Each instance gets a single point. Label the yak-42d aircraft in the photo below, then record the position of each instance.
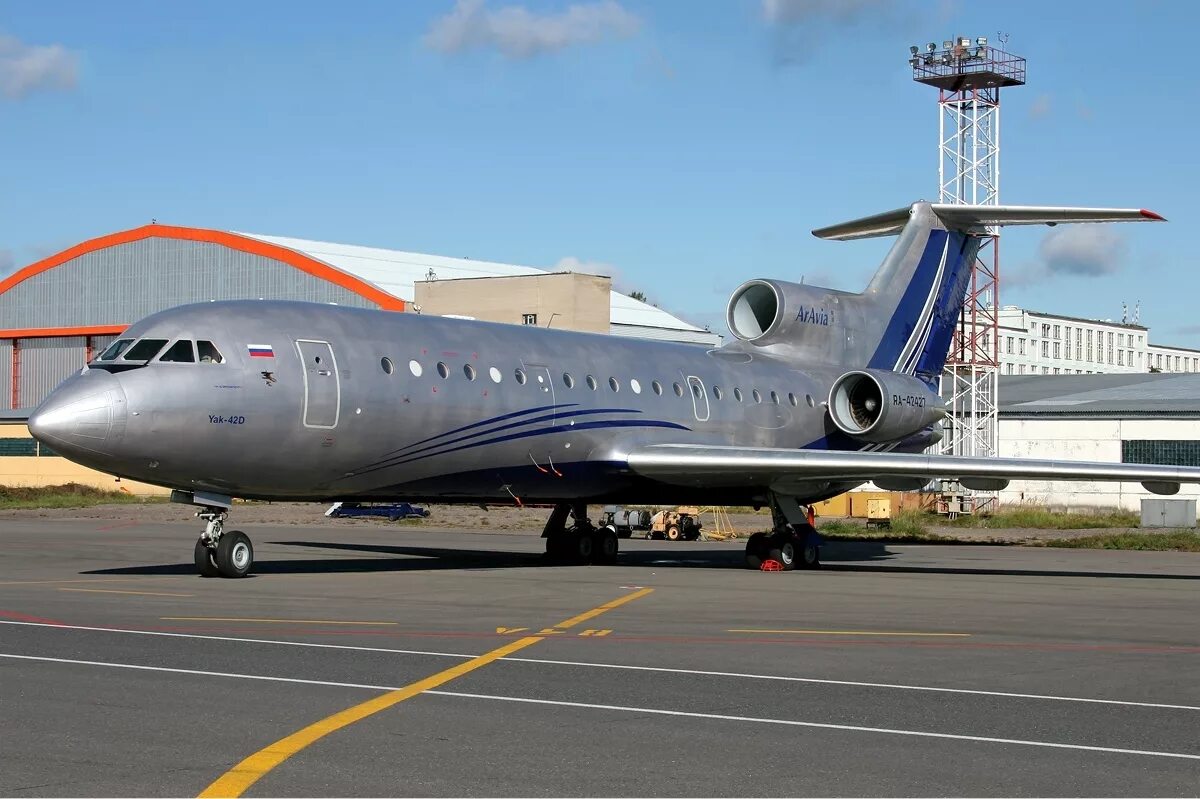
(821, 391)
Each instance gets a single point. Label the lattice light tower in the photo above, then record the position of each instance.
(968, 76)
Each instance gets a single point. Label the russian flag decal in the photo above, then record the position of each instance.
(260, 350)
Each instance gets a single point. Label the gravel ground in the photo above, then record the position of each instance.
(458, 517)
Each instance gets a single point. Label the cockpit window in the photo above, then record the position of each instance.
(208, 352)
(115, 349)
(145, 349)
(180, 352)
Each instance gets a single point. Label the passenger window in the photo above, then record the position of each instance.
(775, 397)
(469, 371)
(657, 386)
(115, 349)
(678, 389)
(145, 349)
(792, 399)
(180, 352)
(568, 381)
(443, 370)
(808, 398)
(696, 391)
(613, 384)
(386, 365)
(737, 394)
(756, 395)
(208, 353)
(520, 376)
(636, 386)
(717, 392)
(495, 374)
(415, 368)
(591, 381)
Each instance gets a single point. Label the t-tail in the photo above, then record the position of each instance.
(904, 321)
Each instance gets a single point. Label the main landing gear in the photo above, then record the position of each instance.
(793, 542)
(582, 541)
(220, 552)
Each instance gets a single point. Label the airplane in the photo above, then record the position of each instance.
(822, 390)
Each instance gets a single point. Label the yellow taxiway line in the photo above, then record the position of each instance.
(115, 591)
(238, 780)
(855, 632)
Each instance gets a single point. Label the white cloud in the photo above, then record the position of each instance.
(25, 68)
(799, 27)
(1085, 250)
(794, 12)
(520, 33)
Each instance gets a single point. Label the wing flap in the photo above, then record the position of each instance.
(684, 464)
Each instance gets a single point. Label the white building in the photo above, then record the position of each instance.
(1115, 418)
(1032, 342)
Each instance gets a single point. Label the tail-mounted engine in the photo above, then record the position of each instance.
(879, 406)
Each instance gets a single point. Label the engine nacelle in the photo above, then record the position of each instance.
(878, 406)
(767, 312)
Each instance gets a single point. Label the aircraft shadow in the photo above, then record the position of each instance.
(840, 556)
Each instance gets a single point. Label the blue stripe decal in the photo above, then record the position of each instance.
(500, 418)
(949, 306)
(907, 315)
(396, 454)
(545, 431)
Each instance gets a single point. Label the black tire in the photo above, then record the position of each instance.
(605, 546)
(673, 532)
(808, 555)
(784, 549)
(206, 565)
(691, 533)
(235, 554)
(556, 547)
(756, 550)
(582, 547)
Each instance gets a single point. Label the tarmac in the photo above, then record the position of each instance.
(362, 661)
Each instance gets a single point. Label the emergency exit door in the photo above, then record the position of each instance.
(322, 391)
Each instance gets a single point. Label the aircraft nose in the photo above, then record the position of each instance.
(84, 416)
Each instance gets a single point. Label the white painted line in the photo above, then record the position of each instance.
(197, 672)
(857, 684)
(618, 708)
(582, 664)
(822, 726)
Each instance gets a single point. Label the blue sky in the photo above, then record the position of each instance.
(682, 146)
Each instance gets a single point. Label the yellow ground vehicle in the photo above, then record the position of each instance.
(673, 525)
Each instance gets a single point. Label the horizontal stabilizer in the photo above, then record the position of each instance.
(977, 218)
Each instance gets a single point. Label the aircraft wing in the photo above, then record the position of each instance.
(699, 465)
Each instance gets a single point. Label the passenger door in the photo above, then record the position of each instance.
(322, 391)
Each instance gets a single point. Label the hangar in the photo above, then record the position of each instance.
(54, 314)
(1118, 418)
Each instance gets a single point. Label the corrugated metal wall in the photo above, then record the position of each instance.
(46, 362)
(122, 284)
(5, 375)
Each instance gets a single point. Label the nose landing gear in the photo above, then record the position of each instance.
(221, 553)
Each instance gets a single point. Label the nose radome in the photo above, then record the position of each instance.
(85, 415)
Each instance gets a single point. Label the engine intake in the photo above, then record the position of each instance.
(879, 406)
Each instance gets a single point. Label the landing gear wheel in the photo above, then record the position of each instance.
(235, 554)
(756, 550)
(673, 532)
(605, 546)
(205, 563)
(783, 549)
(582, 546)
(808, 555)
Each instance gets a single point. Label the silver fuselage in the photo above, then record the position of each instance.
(324, 416)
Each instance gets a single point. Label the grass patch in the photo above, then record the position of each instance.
(907, 526)
(68, 495)
(1173, 541)
(1040, 518)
